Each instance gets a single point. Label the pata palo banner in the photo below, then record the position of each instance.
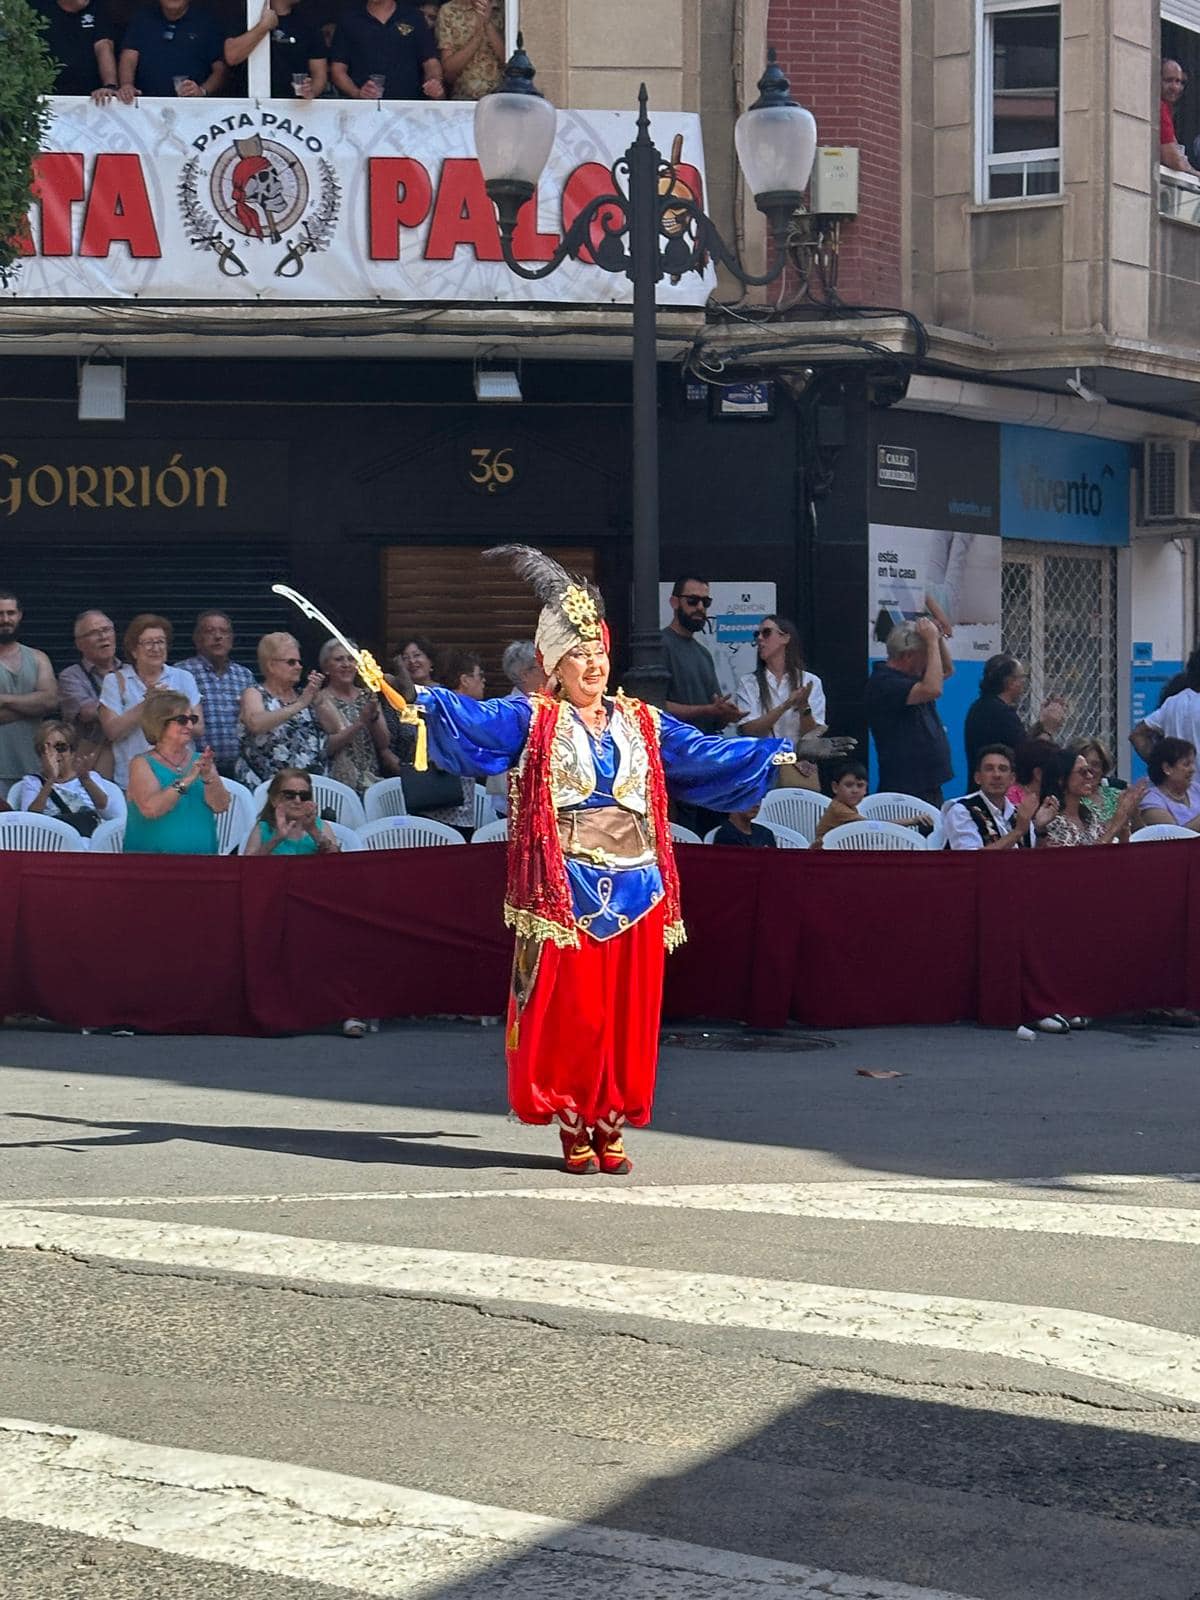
(317, 200)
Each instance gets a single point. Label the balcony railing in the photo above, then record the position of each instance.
(1179, 196)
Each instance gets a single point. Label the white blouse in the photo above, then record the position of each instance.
(749, 702)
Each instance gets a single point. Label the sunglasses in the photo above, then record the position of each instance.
(704, 600)
(289, 661)
(295, 794)
(60, 747)
(764, 633)
(185, 719)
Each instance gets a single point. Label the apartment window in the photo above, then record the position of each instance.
(1020, 62)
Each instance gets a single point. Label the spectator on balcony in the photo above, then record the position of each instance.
(1174, 794)
(27, 693)
(299, 55)
(523, 669)
(147, 641)
(279, 727)
(901, 701)
(384, 50)
(79, 40)
(79, 687)
(470, 36)
(1171, 152)
(222, 682)
(356, 734)
(170, 42)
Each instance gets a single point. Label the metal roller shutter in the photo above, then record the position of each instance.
(449, 595)
(56, 581)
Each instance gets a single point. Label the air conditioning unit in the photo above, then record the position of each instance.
(1170, 481)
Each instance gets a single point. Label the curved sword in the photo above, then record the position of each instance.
(369, 669)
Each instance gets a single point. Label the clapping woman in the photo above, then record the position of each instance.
(288, 824)
(65, 788)
(175, 795)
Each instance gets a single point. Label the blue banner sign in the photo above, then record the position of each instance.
(1066, 488)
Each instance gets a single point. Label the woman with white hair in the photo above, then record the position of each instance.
(521, 667)
(357, 734)
(279, 726)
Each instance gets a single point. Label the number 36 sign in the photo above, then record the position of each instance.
(492, 469)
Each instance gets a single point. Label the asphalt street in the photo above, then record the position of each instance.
(300, 1318)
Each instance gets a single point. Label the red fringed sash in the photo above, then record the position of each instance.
(537, 903)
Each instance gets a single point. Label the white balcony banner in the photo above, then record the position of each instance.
(326, 200)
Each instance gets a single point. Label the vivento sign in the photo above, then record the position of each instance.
(1065, 488)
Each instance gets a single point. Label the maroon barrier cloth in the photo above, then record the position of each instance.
(244, 946)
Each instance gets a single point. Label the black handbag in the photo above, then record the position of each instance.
(85, 821)
(431, 790)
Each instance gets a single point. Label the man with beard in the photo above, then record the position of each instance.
(692, 693)
(27, 694)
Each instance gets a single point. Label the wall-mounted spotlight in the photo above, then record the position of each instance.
(101, 389)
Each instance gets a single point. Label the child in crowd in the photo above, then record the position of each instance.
(848, 788)
(741, 828)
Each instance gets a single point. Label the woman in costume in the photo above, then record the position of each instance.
(593, 893)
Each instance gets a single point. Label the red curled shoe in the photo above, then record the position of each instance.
(578, 1155)
(610, 1150)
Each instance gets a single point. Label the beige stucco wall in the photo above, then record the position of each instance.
(1075, 264)
(692, 55)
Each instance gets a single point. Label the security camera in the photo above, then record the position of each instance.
(1078, 387)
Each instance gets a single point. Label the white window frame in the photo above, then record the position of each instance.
(986, 161)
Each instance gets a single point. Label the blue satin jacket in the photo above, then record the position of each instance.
(480, 738)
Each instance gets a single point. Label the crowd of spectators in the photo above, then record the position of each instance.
(341, 49)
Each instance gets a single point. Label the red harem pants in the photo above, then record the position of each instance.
(586, 1040)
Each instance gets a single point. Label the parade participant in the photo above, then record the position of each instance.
(593, 893)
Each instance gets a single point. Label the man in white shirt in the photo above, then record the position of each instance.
(987, 819)
(1177, 718)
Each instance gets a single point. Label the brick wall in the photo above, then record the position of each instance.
(844, 61)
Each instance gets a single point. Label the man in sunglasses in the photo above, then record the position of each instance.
(692, 691)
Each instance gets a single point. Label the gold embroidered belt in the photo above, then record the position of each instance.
(605, 836)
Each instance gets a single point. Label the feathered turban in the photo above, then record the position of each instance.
(572, 608)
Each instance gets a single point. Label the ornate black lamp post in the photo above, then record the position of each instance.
(648, 227)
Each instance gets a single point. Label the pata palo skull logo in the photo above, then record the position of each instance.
(260, 191)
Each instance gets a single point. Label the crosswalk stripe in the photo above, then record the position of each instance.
(831, 1201)
(367, 1537)
(1144, 1358)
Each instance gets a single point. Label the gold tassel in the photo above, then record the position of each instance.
(421, 758)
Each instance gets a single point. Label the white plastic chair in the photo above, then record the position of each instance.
(25, 830)
(798, 809)
(785, 838)
(485, 811)
(235, 823)
(891, 806)
(407, 833)
(491, 832)
(116, 799)
(872, 836)
(1162, 830)
(682, 835)
(385, 799)
(109, 837)
(330, 795)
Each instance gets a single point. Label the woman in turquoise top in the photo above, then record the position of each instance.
(288, 824)
(174, 794)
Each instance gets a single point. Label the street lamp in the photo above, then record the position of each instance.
(649, 226)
